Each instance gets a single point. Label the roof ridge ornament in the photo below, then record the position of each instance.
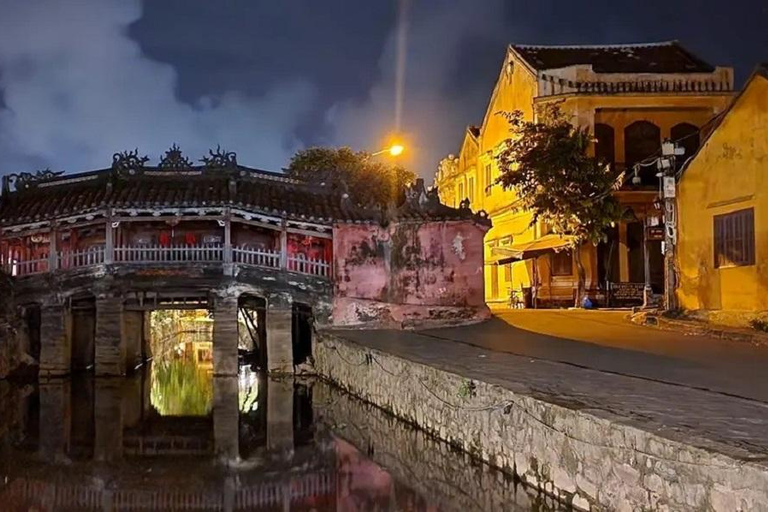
(128, 163)
(25, 180)
(174, 160)
(220, 159)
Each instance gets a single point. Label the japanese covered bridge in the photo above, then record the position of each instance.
(90, 253)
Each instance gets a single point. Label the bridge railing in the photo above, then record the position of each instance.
(19, 267)
(256, 257)
(83, 258)
(304, 265)
(93, 256)
(213, 253)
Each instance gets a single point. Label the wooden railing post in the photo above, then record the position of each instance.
(227, 236)
(109, 245)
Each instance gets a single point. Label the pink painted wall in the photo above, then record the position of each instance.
(391, 273)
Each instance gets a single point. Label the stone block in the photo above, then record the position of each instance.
(225, 336)
(279, 340)
(133, 337)
(55, 350)
(110, 349)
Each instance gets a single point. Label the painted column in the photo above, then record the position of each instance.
(110, 347)
(53, 254)
(283, 247)
(226, 417)
(55, 420)
(279, 335)
(225, 335)
(280, 416)
(108, 420)
(133, 336)
(55, 349)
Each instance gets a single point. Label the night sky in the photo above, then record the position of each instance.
(81, 79)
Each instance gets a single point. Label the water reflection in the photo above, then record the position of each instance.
(243, 443)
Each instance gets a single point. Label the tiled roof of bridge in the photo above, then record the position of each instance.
(666, 57)
(48, 197)
(258, 191)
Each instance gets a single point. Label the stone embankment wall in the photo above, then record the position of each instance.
(449, 479)
(579, 456)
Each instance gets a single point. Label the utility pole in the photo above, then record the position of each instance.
(668, 189)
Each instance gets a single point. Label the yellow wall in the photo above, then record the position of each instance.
(519, 90)
(729, 173)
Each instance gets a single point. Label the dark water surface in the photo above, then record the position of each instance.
(174, 437)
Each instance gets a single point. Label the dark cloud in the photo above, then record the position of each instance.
(84, 78)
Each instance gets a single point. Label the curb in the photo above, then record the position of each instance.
(698, 328)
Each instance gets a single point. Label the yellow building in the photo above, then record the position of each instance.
(632, 97)
(723, 212)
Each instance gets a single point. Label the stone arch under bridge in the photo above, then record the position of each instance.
(98, 321)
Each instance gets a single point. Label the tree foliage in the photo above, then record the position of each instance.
(371, 181)
(548, 164)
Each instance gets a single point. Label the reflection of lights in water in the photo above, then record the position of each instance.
(248, 389)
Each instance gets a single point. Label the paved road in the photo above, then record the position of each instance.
(605, 341)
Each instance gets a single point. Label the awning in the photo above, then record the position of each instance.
(533, 249)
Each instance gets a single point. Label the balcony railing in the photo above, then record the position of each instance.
(18, 267)
(256, 257)
(315, 267)
(170, 254)
(83, 258)
(140, 255)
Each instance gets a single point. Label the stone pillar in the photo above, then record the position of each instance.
(226, 418)
(279, 336)
(133, 337)
(108, 420)
(55, 340)
(225, 336)
(280, 416)
(110, 348)
(55, 420)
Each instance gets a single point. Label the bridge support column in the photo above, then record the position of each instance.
(55, 419)
(110, 348)
(55, 349)
(225, 336)
(108, 421)
(226, 418)
(133, 336)
(280, 416)
(279, 337)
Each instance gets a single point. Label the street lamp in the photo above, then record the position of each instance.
(393, 150)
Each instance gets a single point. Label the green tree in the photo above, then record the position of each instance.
(371, 180)
(549, 166)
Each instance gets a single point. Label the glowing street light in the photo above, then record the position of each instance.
(393, 150)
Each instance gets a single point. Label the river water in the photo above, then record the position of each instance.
(173, 437)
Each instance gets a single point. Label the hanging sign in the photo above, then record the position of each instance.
(669, 187)
(654, 233)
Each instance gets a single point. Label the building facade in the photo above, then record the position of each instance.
(631, 97)
(722, 252)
